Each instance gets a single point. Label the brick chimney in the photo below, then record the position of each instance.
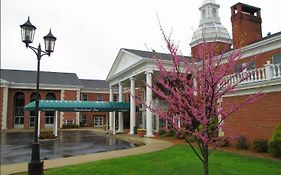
(246, 24)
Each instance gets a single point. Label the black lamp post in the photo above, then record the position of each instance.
(36, 165)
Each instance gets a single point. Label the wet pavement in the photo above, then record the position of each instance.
(16, 146)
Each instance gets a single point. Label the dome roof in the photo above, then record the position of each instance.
(210, 32)
(210, 28)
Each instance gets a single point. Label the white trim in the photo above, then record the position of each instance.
(252, 88)
(259, 47)
(5, 107)
(95, 91)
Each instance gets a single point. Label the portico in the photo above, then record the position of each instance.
(131, 71)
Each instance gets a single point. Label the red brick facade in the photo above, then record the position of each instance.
(91, 115)
(246, 25)
(70, 95)
(256, 120)
(27, 99)
(219, 46)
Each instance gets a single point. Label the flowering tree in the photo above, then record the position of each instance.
(193, 89)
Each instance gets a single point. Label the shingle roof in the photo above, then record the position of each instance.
(149, 54)
(94, 84)
(49, 78)
(271, 35)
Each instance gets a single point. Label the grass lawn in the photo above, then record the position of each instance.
(177, 160)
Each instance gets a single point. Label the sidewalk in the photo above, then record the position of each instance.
(151, 145)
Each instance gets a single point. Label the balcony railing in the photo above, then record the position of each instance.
(268, 72)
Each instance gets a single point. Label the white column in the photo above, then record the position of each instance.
(132, 106)
(120, 114)
(268, 70)
(55, 126)
(78, 113)
(113, 124)
(149, 128)
(110, 113)
(5, 107)
(157, 117)
(39, 114)
(61, 113)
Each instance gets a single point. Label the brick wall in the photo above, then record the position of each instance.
(260, 58)
(219, 46)
(70, 95)
(90, 115)
(256, 120)
(246, 27)
(27, 94)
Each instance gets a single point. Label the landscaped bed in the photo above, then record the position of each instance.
(178, 159)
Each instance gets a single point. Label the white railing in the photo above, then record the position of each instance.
(268, 72)
(276, 70)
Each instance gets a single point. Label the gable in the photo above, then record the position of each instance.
(123, 61)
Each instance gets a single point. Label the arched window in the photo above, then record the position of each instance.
(49, 115)
(32, 113)
(19, 100)
(204, 13)
(214, 11)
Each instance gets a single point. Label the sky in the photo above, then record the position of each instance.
(90, 33)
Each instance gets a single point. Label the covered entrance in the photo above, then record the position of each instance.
(77, 106)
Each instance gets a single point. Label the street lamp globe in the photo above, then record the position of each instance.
(49, 42)
(27, 32)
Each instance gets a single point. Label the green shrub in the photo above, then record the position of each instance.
(275, 148)
(171, 133)
(275, 143)
(162, 132)
(241, 143)
(69, 126)
(260, 145)
(277, 133)
(46, 135)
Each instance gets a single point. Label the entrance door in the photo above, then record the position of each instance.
(98, 121)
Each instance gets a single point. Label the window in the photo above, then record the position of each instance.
(98, 120)
(214, 11)
(69, 122)
(99, 98)
(31, 121)
(19, 120)
(239, 67)
(203, 13)
(276, 59)
(84, 120)
(115, 98)
(19, 101)
(84, 97)
(49, 119)
(50, 96)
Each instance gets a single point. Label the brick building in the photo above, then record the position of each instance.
(18, 89)
(132, 68)
(263, 54)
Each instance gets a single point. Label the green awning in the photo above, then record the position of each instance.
(79, 106)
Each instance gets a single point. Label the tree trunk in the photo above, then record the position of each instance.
(206, 167)
(206, 160)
